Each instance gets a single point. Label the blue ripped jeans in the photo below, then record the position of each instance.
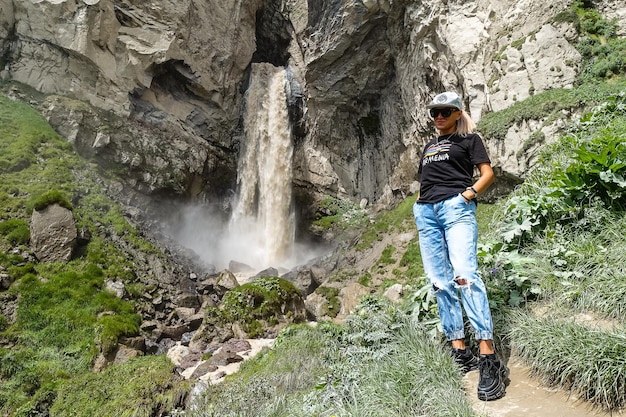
(448, 234)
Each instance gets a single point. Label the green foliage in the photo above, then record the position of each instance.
(261, 299)
(15, 231)
(143, 387)
(506, 272)
(603, 52)
(333, 303)
(600, 161)
(559, 239)
(587, 165)
(336, 213)
(423, 307)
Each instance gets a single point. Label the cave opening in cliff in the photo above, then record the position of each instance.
(272, 36)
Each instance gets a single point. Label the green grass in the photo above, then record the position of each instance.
(356, 369)
(291, 369)
(574, 357)
(547, 106)
(142, 387)
(64, 316)
(398, 219)
(58, 326)
(568, 256)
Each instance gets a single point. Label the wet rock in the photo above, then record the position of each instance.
(304, 278)
(239, 267)
(191, 360)
(187, 299)
(268, 272)
(186, 338)
(148, 326)
(218, 284)
(171, 332)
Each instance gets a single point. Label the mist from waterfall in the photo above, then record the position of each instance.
(262, 218)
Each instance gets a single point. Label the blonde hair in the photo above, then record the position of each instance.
(465, 124)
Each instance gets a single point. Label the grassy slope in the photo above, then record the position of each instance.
(58, 328)
(564, 250)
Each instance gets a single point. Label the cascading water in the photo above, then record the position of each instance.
(263, 214)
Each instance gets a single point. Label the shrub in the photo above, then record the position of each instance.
(593, 366)
(265, 299)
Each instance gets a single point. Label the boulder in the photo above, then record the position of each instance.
(53, 234)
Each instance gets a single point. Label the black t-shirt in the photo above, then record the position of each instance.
(447, 166)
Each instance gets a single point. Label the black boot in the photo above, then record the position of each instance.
(494, 376)
(465, 359)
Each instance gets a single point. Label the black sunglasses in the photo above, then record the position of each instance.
(445, 112)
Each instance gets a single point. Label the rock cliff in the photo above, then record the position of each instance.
(157, 89)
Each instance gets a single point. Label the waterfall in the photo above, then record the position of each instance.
(262, 215)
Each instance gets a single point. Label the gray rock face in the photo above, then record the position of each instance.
(158, 88)
(53, 234)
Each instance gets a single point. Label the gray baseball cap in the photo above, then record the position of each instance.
(447, 99)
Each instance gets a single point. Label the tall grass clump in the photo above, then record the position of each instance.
(571, 356)
(143, 387)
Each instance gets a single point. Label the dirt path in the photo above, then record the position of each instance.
(526, 397)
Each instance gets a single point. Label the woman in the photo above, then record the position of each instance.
(445, 214)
